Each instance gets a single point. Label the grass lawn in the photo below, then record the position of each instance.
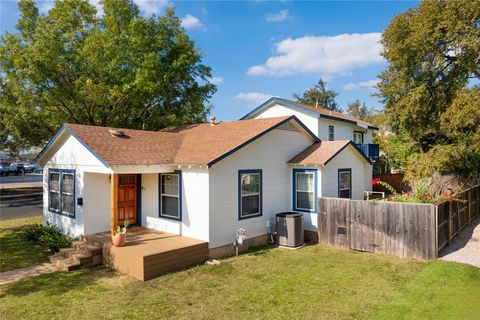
(15, 251)
(315, 282)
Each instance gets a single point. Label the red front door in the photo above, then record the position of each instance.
(127, 199)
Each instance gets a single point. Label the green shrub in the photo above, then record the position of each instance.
(54, 241)
(50, 236)
(33, 232)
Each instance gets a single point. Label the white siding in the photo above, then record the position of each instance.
(349, 158)
(71, 226)
(195, 206)
(269, 153)
(71, 155)
(277, 110)
(96, 202)
(343, 130)
(319, 126)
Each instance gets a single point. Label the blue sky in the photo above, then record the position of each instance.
(261, 48)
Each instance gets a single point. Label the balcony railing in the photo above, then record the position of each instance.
(372, 151)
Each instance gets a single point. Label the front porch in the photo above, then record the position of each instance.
(149, 253)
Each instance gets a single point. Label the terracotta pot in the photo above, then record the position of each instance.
(119, 241)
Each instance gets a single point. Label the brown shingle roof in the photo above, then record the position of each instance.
(327, 112)
(322, 152)
(201, 144)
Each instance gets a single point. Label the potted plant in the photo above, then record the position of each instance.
(119, 236)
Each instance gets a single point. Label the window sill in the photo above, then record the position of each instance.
(250, 216)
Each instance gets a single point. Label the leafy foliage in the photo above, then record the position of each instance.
(117, 69)
(121, 231)
(34, 232)
(430, 88)
(319, 96)
(50, 236)
(358, 110)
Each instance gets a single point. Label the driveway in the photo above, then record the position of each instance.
(465, 247)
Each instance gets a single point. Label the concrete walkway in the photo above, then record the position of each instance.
(19, 274)
(465, 247)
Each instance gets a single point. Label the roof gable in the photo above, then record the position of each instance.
(315, 112)
(323, 152)
(61, 137)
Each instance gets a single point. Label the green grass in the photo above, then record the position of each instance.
(315, 282)
(15, 251)
(442, 290)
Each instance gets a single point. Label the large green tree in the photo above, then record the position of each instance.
(430, 88)
(358, 110)
(116, 69)
(319, 96)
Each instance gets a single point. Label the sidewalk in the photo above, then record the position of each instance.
(15, 185)
(33, 271)
(465, 248)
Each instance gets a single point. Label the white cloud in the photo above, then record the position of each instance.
(256, 97)
(216, 80)
(277, 17)
(149, 7)
(323, 55)
(45, 6)
(192, 22)
(370, 84)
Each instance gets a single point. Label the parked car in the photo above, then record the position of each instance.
(17, 169)
(4, 171)
(29, 168)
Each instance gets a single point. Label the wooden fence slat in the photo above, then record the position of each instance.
(402, 229)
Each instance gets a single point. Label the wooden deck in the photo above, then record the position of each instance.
(149, 253)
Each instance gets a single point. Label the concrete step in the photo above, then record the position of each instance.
(63, 263)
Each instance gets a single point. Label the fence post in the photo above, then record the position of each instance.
(449, 223)
(469, 196)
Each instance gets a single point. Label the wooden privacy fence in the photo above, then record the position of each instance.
(402, 229)
(453, 216)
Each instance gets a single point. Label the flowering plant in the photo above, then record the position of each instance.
(421, 194)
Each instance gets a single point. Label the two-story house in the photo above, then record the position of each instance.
(326, 124)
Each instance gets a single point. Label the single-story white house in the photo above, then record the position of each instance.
(201, 181)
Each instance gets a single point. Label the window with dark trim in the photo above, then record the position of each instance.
(304, 190)
(358, 137)
(345, 183)
(249, 194)
(61, 192)
(331, 133)
(170, 189)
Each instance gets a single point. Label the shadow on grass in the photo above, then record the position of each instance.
(260, 250)
(57, 283)
(17, 252)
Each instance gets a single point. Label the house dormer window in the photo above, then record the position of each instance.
(331, 133)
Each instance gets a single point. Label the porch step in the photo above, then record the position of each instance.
(63, 263)
(81, 255)
(84, 246)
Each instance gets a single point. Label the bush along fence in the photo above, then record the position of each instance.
(410, 230)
